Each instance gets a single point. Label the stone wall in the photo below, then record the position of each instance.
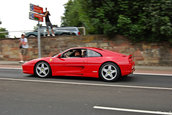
(144, 53)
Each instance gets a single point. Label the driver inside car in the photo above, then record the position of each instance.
(77, 54)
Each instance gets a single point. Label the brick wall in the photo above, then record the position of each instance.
(144, 53)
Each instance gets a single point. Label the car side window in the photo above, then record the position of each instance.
(74, 53)
(91, 53)
(67, 54)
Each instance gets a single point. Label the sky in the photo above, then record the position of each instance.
(14, 14)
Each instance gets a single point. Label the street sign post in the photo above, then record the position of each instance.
(35, 14)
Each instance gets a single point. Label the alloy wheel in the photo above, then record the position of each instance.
(42, 69)
(109, 72)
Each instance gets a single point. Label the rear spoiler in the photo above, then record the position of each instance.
(130, 56)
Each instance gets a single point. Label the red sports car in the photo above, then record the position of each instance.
(82, 61)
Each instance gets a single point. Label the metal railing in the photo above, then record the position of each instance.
(16, 34)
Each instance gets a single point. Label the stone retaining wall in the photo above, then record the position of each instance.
(144, 53)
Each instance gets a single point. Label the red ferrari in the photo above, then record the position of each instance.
(83, 61)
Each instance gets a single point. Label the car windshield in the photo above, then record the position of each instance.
(55, 55)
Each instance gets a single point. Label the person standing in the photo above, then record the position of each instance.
(48, 22)
(23, 45)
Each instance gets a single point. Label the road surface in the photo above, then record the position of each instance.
(22, 94)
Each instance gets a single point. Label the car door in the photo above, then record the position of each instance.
(71, 65)
(93, 61)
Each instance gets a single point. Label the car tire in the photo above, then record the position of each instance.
(32, 35)
(65, 34)
(42, 69)
(109, 72)
(73, 34)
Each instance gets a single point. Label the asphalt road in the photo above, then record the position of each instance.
(22, 94)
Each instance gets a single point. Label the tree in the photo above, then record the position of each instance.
(139, 20)
(71, 15)
(3, 32)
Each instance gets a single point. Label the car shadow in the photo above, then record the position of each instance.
(126, 79)
(65, 78)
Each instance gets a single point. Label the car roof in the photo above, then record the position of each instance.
(100, 50)
(91, 48)
(86, 48)
(66, 27)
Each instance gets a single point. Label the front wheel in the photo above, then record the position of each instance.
(42, 69)
(109, 72)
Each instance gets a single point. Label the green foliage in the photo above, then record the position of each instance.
(4, 33)
(139, 20)
(71, 14)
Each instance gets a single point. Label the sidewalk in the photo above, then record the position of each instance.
(10, 64)
(139, 69)
(167, 70)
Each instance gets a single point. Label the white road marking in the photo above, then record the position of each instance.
(87, 84)
(153, 74)
(133, 110)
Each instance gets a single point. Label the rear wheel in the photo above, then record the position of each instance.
(65, 34)
(42, 69)
(73, 34)
(32, 35)
(109, 72)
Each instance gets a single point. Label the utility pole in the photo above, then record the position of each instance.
(39, 42)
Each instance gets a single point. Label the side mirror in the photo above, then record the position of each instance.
(59, 56)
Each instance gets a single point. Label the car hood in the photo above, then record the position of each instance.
(47, 59)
